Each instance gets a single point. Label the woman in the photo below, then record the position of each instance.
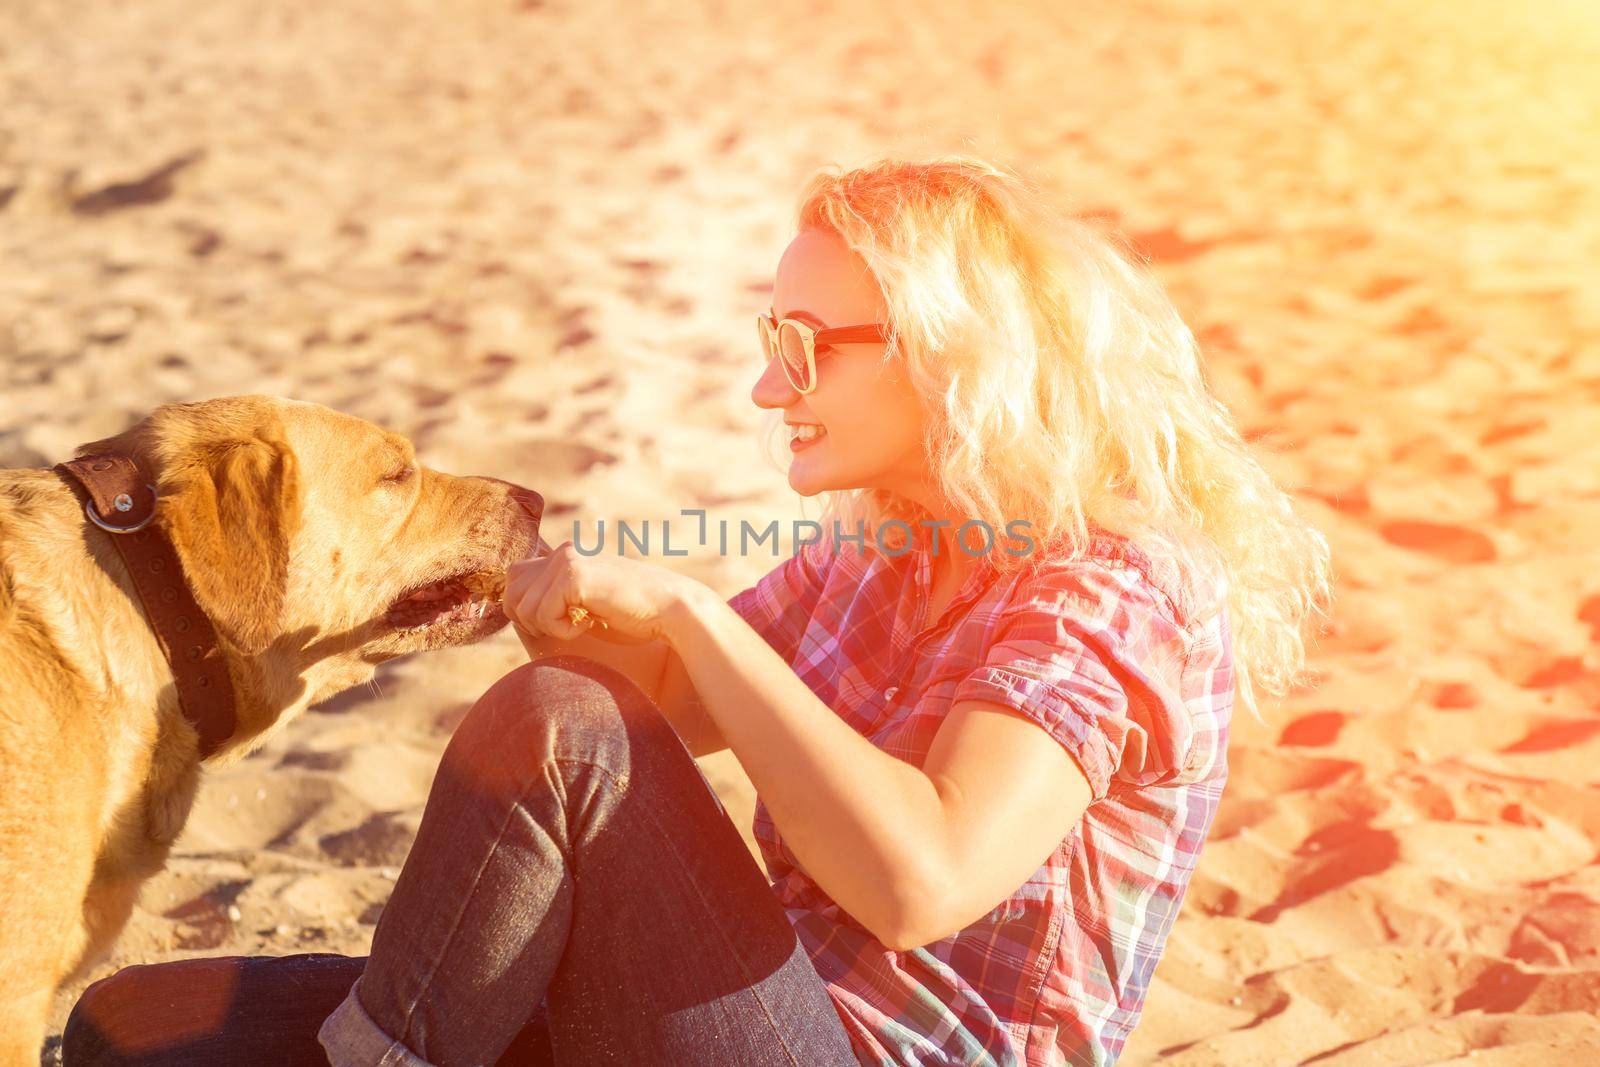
(985, 765)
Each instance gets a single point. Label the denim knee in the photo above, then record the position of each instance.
(558, 707)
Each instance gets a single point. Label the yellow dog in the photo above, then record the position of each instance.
(317, 546)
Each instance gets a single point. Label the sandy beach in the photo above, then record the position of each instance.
(532, 237)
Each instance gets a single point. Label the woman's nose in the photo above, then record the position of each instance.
(773, 389)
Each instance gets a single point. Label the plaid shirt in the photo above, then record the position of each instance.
(1110, 656)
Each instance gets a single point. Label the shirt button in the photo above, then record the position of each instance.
(888, 694)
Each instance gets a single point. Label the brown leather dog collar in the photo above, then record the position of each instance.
(123, 504)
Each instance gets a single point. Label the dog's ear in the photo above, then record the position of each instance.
(8, 596)
(229, 500)
(230, 509)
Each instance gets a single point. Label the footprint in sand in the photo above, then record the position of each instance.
(444, 723)
(1452, 544)
(426, 396)
(1589, 613)
(207, 920)
(1316, 728)
(600, 384)
(1385, 286)
(1334, 856)
(1561, 671)
(1557, 736)
(1455, 696)
(305, 759)
(555, 458)
(1168, 245)
(1562, 931)
(1506, 431)
(383, 840)
(1272, 772)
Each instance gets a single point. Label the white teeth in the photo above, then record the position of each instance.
(808, 433)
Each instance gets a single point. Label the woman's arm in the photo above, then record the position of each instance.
(681, 703)
(913, 854)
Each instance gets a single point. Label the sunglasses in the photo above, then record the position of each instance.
(796, 344)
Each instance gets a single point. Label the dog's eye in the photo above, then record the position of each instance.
(400, 475)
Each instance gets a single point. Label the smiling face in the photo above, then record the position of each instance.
(871, 420)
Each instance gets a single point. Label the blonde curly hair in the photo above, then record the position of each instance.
(1035, 335)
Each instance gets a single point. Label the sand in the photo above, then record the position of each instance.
(532, 236)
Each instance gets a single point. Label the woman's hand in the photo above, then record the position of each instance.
(625, 599)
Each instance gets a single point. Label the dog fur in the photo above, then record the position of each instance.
(295, 541)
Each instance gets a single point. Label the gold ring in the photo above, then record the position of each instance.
(577, 613)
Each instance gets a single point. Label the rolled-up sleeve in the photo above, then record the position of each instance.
(1091, 652)
(781, 603)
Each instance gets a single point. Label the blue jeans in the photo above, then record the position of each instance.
(576, 894)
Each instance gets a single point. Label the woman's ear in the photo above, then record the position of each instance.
(231, 510)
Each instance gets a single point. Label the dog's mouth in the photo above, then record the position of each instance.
(471, 598)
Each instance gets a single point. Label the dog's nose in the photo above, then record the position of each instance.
(528, 501)
(531, 503)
